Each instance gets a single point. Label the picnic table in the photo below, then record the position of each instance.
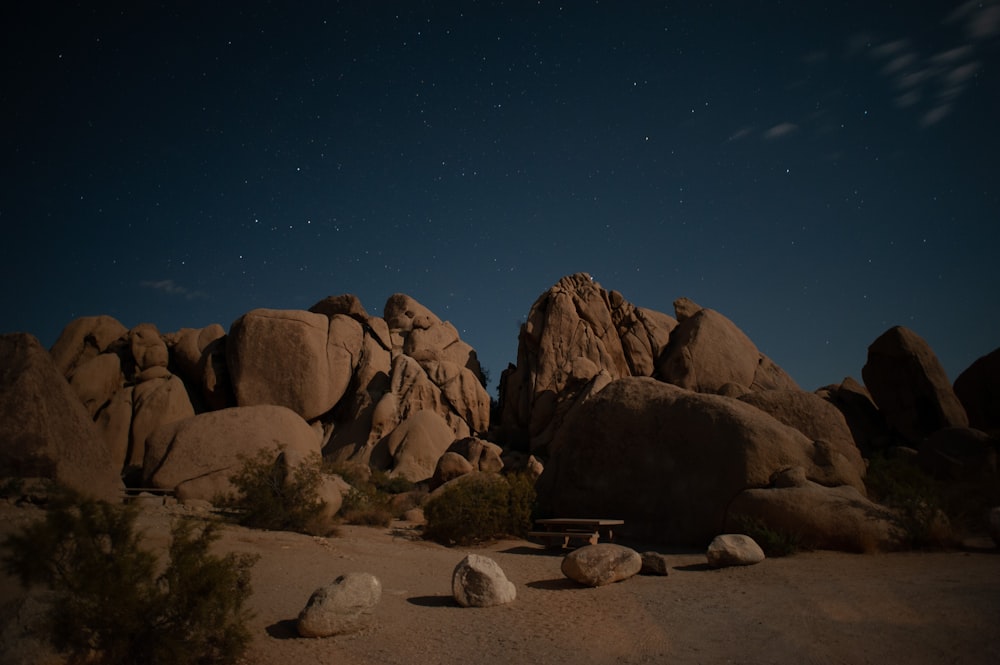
(559, 531)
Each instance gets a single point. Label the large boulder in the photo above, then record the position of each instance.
(868, 427)
(978, 388)
(910, 386)
(478, 581)
(959, 453)
(813, 416)
(707, 352)
(600, 564)
(197, 455)
(155, 402)
(147, 347)
(345, 606)
(669, 461)
(575, 333)
(837, 518)
(412, 450)
(97, 380)
(45, 431)
(297, 359)
(83, 339)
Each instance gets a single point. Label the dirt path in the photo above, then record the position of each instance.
(814, 607)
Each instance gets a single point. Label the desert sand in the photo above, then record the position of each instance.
(812, 607)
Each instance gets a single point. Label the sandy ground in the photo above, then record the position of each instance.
(813, 607)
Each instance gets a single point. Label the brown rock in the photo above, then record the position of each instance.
(188, 348)
(97, 380)
(575, 331)
(415, 446)
(959, 453)
(83, 339)
(733, 549)
(978, 388)
(811, 415)
(347, 605)
(601, 564)
(449, 466)
(347, 304)
(909, 385)
(707, 351)
(197, 455)
(147, 347)
(292, 358)
(867, 425)
(668, 461)
(836, 518)
(155, 403)
(44, 428)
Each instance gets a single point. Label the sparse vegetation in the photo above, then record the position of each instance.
(774, 542)
(269, 497)
(480, 509)
(370, 501)
(108, 604)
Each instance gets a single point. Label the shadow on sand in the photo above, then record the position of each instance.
(433, 601)
(284, 630)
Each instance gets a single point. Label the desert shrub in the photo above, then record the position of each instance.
(109, 606)
(367, 505)
(268, 498)
(915, 496)
(370, 501)
(774, 542)
(481, 508)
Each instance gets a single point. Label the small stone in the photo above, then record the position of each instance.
(734, 549)
(654, 563)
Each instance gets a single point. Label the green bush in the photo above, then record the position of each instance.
(370, 501)
(108, 604)
(481, 508)
(773, 542)
(268, 498)
(917, 498)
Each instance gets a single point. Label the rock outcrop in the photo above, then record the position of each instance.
(296, 359)
(813, 416)
(197, 455)
(669, 461)
(707, 353)
(577, 335)
(836, 518)
(83, 339)
(45, 430)
(910, 387)
(978, 389)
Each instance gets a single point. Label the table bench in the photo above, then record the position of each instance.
(559, 531)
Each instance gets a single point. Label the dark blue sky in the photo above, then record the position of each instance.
(817, 172)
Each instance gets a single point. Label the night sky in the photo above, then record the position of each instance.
(815, 171)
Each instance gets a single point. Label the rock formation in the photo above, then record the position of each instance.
(910, 387)
(44, 428)
(978, 389)
(197, 455)
(707, 353)
(577, 335)
(669, 461)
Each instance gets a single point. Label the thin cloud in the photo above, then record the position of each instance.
(170, 287)
(780, 130)
(981, 20)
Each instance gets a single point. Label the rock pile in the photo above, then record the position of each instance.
(677, 424)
